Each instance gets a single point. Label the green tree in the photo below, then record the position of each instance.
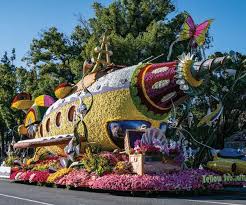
(51, 58)
(139, 29)
(8, 118)
(227, 84)
(230, 85)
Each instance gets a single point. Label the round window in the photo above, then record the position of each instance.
(41, 130)
(58, 119)
(48, 125)
(71, 113)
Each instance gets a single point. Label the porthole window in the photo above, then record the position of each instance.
(71, 113)
(58, 119)
(48, 125)
(41, 130)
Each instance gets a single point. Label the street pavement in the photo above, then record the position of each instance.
(23, 194)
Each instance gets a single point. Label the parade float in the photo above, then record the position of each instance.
(119, 127)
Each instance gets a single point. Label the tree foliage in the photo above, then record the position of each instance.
(8, 87)
(226, 85)
(139, 29)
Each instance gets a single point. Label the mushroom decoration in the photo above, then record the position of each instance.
(34, 115)
(44, 101)
(63, 90)
(22, 101)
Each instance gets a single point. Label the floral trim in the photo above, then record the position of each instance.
(136, 99)
(184, 75)
(188, 76)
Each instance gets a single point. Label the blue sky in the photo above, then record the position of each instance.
(23, 20)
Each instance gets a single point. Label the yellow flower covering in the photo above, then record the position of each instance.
(240, 167)
(240, 164)
(29, 161)
(222, 166)
(58, 174)
(109, 106)
(188, 76)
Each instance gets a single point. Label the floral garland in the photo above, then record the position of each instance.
(183, 73)
(188, 76)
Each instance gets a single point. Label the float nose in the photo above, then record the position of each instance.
(207, 66)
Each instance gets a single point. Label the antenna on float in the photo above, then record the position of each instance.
(146, 59)
(156, 58)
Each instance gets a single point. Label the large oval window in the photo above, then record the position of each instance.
(58, 119)
(71, 113)
(117, 129)
(48, 125)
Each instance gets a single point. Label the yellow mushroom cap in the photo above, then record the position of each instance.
(22, 101)
(63, 90)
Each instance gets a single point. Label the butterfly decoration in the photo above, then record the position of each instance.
(197, 33)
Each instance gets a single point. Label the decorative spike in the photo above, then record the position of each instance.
(168, 96)
(180, 82)
(184, 87)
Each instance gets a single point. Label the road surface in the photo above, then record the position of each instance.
(22, 194)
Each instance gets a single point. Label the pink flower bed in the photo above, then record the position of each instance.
(25, 176)
(13, 174)
(39, 176)
(188, 180)
(77, 178)
(182, 181)
(31, 176)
